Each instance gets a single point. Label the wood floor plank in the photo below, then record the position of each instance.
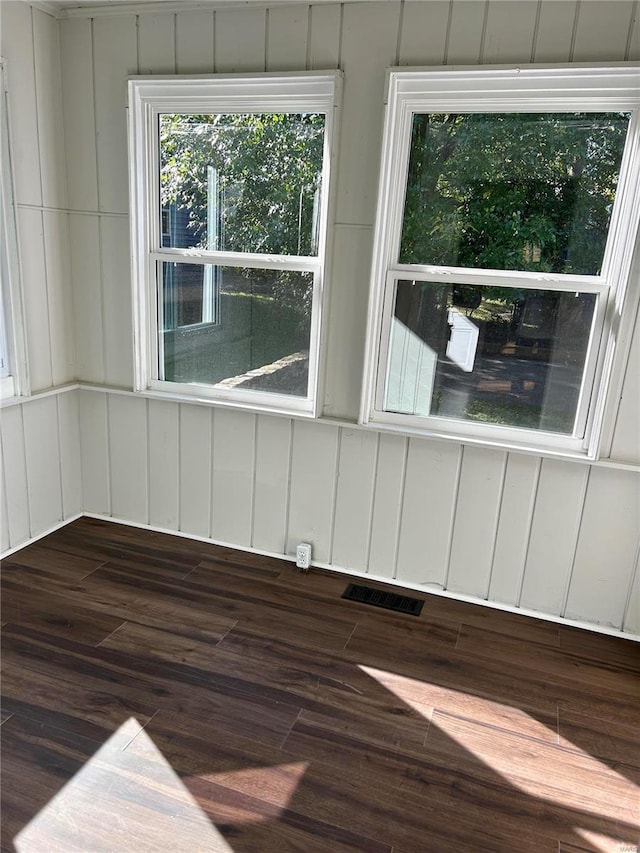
(613, 741)
(54, 563)
(279, 717)
(566, 781)
(45, 756)
(561, 665)
(55, 614)
(614, 651)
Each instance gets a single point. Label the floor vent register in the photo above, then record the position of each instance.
(381, 598)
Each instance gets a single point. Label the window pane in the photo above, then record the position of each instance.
(236, 328)
(241, 182)
(512, 190)
(497, 355)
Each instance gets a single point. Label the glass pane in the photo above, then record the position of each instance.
(236, 328)
(241, 182)
(498, 355)
(512, 190)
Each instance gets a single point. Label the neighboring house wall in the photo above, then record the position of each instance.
(545, 535)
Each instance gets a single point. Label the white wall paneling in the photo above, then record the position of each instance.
(35, 296)
(94, 450)
(556, 521)
(128, 469)
(271, 488)
(607, 548)
(116, 300)
(626, 435)
(157, 44)
(233, 464)
(287, 33)
(633, 48)
(194, 42)
(5, 538)
(514, 526)
(369, 46)
(76, 47)
(554, 37)
(115, 56)
(466, 34)
(15, 475)
(163, 430)
(387, 503)
(602, 32)
(70, 470)
(631, 622)
(346, 320)
(16, 33)
(40, 480)
(195, 469)
(425, 28)
(511, 26)
(476, 520)
(312, 494)
(430, 492)
(60, 304)
(50, 115)
(325, 36)
(240, 40)
(84, 232)
(354, 499)
(42, 453)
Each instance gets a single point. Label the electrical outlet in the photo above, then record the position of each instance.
(303, 555)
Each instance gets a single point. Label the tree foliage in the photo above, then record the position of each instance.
(269, 170)
(512, 190)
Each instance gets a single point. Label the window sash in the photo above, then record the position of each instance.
(478, 90)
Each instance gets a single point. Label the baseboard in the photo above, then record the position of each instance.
(339, 570)
(37, 537)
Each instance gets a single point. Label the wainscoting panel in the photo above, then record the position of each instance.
(476, 520)
(428, 511)
(554, 532)
(271, 487)
(40, 481)
(194, 470)
(163, 430)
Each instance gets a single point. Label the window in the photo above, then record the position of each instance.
(13, 379)
(507, 215)
(229, 188)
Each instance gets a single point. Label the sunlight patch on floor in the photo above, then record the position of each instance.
(127, 797)
(525, 753)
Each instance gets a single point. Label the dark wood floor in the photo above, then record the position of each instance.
(162, 694)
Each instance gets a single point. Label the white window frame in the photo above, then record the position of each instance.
(499, 89)
(14, 380)
(149, 97)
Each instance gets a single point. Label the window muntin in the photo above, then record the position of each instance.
(442, 247)
(229, 210)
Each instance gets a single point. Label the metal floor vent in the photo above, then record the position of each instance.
(380, 598)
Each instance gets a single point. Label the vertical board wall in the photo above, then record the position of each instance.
(541, 534)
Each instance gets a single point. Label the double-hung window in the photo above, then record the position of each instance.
(507, 218)
(229, 189)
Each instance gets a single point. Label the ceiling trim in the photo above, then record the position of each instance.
(68, 9)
